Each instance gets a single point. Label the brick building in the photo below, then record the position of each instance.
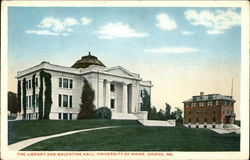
(209, 111)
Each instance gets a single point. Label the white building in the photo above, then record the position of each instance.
(115, 87)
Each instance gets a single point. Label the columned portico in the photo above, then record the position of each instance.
(107, 99)
(125, 98)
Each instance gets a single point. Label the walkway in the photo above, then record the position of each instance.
(25, 143)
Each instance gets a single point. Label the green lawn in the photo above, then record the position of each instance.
(21, 130)
(141, 138)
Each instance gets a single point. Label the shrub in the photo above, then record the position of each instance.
(103, 113)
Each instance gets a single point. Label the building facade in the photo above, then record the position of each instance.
(209, 111)
(115, 87)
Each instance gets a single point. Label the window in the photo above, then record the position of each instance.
(189, 104)
(217, 103)
(59, 100)
(205, 126)
(29, 84)
(60, 116)
(71, 83)
(65, 83)
(214, 119)
(60, 82)
(205, 120)
(227, 102)
(70, 116)
(112, 87)
(65, 115)
(190, 112)
(70, 101)
(112, 103)
(205, 111)
(205, 103)
(197, 126)
(141, 93)
(197, 119)
(192, 104)
(65, 100)
(213, 126)
(29, 101)
(141, 106)
(189, 120)
(214, 112)
(36, 82)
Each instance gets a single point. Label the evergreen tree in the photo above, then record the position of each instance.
(152, 114)
(12, 102)
(87, 106)
(178, 115)
(167, 111)
(146, 104)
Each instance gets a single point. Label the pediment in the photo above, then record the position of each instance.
(120, 71)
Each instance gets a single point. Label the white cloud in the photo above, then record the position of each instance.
(41, 32)
(214, 32)
(165, 22)
(55, 27)
(173, 50)
(118, 30)
(216, 21)
(187, 32)
(85, 20)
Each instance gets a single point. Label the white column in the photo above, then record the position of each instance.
(125, 98)
(107, 102)
(133, 103)
(101, 98)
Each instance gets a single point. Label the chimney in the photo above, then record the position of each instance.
(202, 95)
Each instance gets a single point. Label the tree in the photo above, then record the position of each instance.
(12, 102)
(160, 115)
(146, 104)
(152, 114)
(167, 111)
(87, 106)
(178, 115)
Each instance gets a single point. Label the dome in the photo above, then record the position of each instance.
(86, 61)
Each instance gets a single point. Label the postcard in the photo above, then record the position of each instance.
(125, 80)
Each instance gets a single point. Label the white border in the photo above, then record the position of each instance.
(244, 93)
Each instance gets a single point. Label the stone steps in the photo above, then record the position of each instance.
(126, 116)
(157, 123)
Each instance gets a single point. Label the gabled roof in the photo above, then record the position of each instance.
(121, 71)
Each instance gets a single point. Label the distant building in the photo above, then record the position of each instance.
(115, 87)
(209, 111)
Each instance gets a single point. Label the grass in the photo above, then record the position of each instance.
(141, 138)
(26, 129)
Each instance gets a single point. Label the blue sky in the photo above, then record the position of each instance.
(181, 50)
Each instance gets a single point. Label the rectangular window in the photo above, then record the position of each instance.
(65, 116)
(29, 101)
(112, 87)
(29, 84)
(112, 103)
(70, 116)
(217, 103)
(65, 100)
(71, 83)
(36, 82)
(60, 82)
(141, 106)
(65, 83)
(70, 101)
(59, 100)
(60, 116)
